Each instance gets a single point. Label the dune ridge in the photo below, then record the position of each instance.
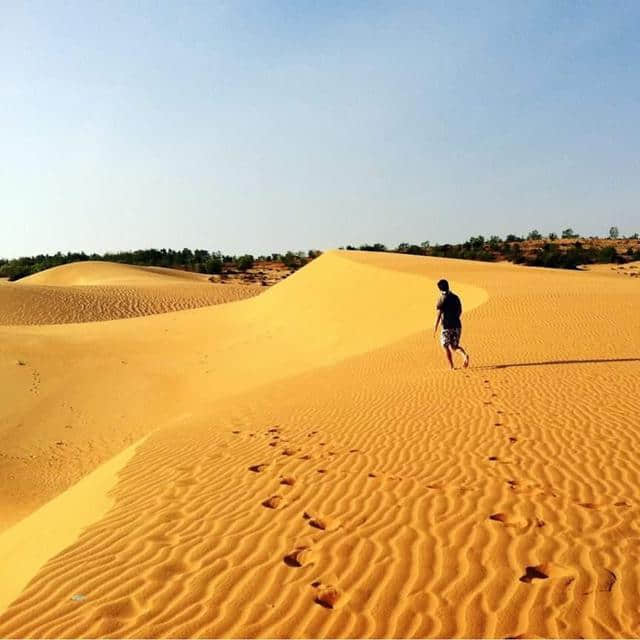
(498, 501)
(85, 392)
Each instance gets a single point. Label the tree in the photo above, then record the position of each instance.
(614, 233)
(534, 235)
(608, 255)
(294, 261)
(476, 242)
(245, 262)
(569, 233)
(214, 264)
(553, 236)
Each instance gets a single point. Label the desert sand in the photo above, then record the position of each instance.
(301, 463)
(92, 291)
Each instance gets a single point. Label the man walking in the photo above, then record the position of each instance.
(449, 310)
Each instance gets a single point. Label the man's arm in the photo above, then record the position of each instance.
(435, 328)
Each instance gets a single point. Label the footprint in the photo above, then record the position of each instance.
(621, 503)
(322, 471)
(288, 480)
(589, 505)
(324, 524)
(306, 456)
(493, 458)
(299, 557)
(534, 573)
(326, 595)
(372, 475)
(508, 520)
(545, 571)
(273, 502)
(274, 430)
(235, 432)
(289, 452)
(610, 580)
(512, 439)
(258, 468)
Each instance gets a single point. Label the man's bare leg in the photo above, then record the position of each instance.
(449, 357)
(465, 363)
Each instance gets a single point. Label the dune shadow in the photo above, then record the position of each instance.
(557, 362)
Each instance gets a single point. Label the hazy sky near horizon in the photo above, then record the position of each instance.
(263, 126)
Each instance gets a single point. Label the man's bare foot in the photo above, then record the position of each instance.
(465, 364)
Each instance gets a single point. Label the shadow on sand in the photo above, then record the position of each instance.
(557, 362)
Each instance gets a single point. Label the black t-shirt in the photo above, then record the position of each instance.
(451, 308)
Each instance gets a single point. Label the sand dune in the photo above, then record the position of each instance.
(94, 291)
(94, 273)
(311, 469)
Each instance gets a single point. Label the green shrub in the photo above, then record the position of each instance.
(608, 255)
(245, 262)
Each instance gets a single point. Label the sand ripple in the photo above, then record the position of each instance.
(42, 304)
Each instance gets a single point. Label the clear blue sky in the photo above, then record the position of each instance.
(260, 126)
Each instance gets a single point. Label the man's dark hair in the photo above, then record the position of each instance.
(443, 285)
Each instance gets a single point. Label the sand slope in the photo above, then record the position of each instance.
(315, 426)
(94, 291)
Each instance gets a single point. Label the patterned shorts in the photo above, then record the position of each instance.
(451, 337)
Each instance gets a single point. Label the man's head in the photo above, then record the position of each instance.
(443, 285)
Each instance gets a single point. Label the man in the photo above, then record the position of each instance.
(449, 310)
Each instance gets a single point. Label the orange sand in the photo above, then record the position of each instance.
(309, 467)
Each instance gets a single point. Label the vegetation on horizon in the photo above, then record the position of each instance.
(198, 261)
(567, 252)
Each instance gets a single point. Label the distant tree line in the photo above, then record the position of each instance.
(547, 252)
(198, 260)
